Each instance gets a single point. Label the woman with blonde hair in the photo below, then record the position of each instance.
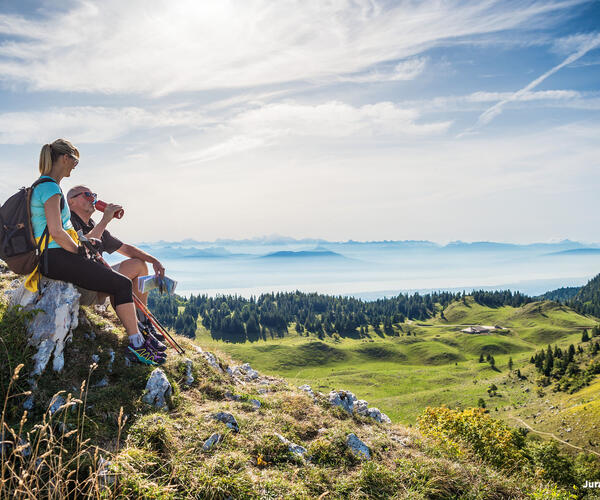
(63, 259)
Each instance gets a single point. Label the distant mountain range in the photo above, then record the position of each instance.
(578, 251)
(282, 241)
(319, 254)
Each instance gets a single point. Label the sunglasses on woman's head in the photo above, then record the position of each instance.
(87, 194)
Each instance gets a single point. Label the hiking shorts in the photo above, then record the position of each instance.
(92, 297)
(58, 264)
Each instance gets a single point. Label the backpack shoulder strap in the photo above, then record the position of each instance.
(46, 179)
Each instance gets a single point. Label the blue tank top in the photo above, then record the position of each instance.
(41, 194)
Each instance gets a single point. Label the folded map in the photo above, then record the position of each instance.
(150, 282)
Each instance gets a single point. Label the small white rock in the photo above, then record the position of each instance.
(357, 447)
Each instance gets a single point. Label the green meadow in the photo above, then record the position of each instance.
(424, 363)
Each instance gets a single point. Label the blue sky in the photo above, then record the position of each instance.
(340, 120)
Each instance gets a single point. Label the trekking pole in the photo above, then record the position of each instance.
(136, 299)
(157, 324)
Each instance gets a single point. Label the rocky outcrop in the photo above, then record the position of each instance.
(158, 390)
(52, 326)
(348, 401)
(244, 372)
(343, 399)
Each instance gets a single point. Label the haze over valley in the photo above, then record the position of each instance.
(371, 270)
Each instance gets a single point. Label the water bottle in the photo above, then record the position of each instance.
(101, 205)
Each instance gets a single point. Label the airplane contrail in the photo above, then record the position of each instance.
(489, 114)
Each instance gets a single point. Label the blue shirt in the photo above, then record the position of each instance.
(41, 194)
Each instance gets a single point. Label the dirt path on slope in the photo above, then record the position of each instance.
(553, 436)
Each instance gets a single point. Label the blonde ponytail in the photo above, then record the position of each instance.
(51, 152)
(46, 159)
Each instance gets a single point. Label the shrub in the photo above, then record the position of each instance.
(471, 429)
(550, 464)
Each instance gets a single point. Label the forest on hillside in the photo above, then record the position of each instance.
(238, 319)
(587, 299)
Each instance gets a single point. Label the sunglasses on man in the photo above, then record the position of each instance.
(90, 196)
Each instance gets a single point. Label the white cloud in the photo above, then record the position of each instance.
(405, 70)
(335, 119)
(88, 124)
(160, 46)
(569, 44)
(314, 124)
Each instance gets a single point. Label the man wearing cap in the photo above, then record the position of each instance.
(81, 201)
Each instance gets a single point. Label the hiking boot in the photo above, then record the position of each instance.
(155, 344)
(145, 355)
(160, 357)
(149, 327)
(151, 338)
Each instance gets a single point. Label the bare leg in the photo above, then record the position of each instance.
(126, 313)
(134, 268)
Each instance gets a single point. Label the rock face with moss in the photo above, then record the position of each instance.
(52, 326)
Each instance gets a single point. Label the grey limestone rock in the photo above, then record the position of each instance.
(308, 390)
(91, 335)
(251, 374)
(348, 401)
(111, 360)
(28, 403)
(296, 449)
(211, 441)
(343, 399)
(361, 407)
(378, 415)
(212, 360)
(102, 383)
(255, 403)
(357, 447)
(228, 419)
(233, 397)
(245, 372)
(105, 476)
(56, 403)
(158, 390)
(189, 378)
(52, 327)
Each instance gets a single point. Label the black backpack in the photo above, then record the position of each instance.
(18, 247)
